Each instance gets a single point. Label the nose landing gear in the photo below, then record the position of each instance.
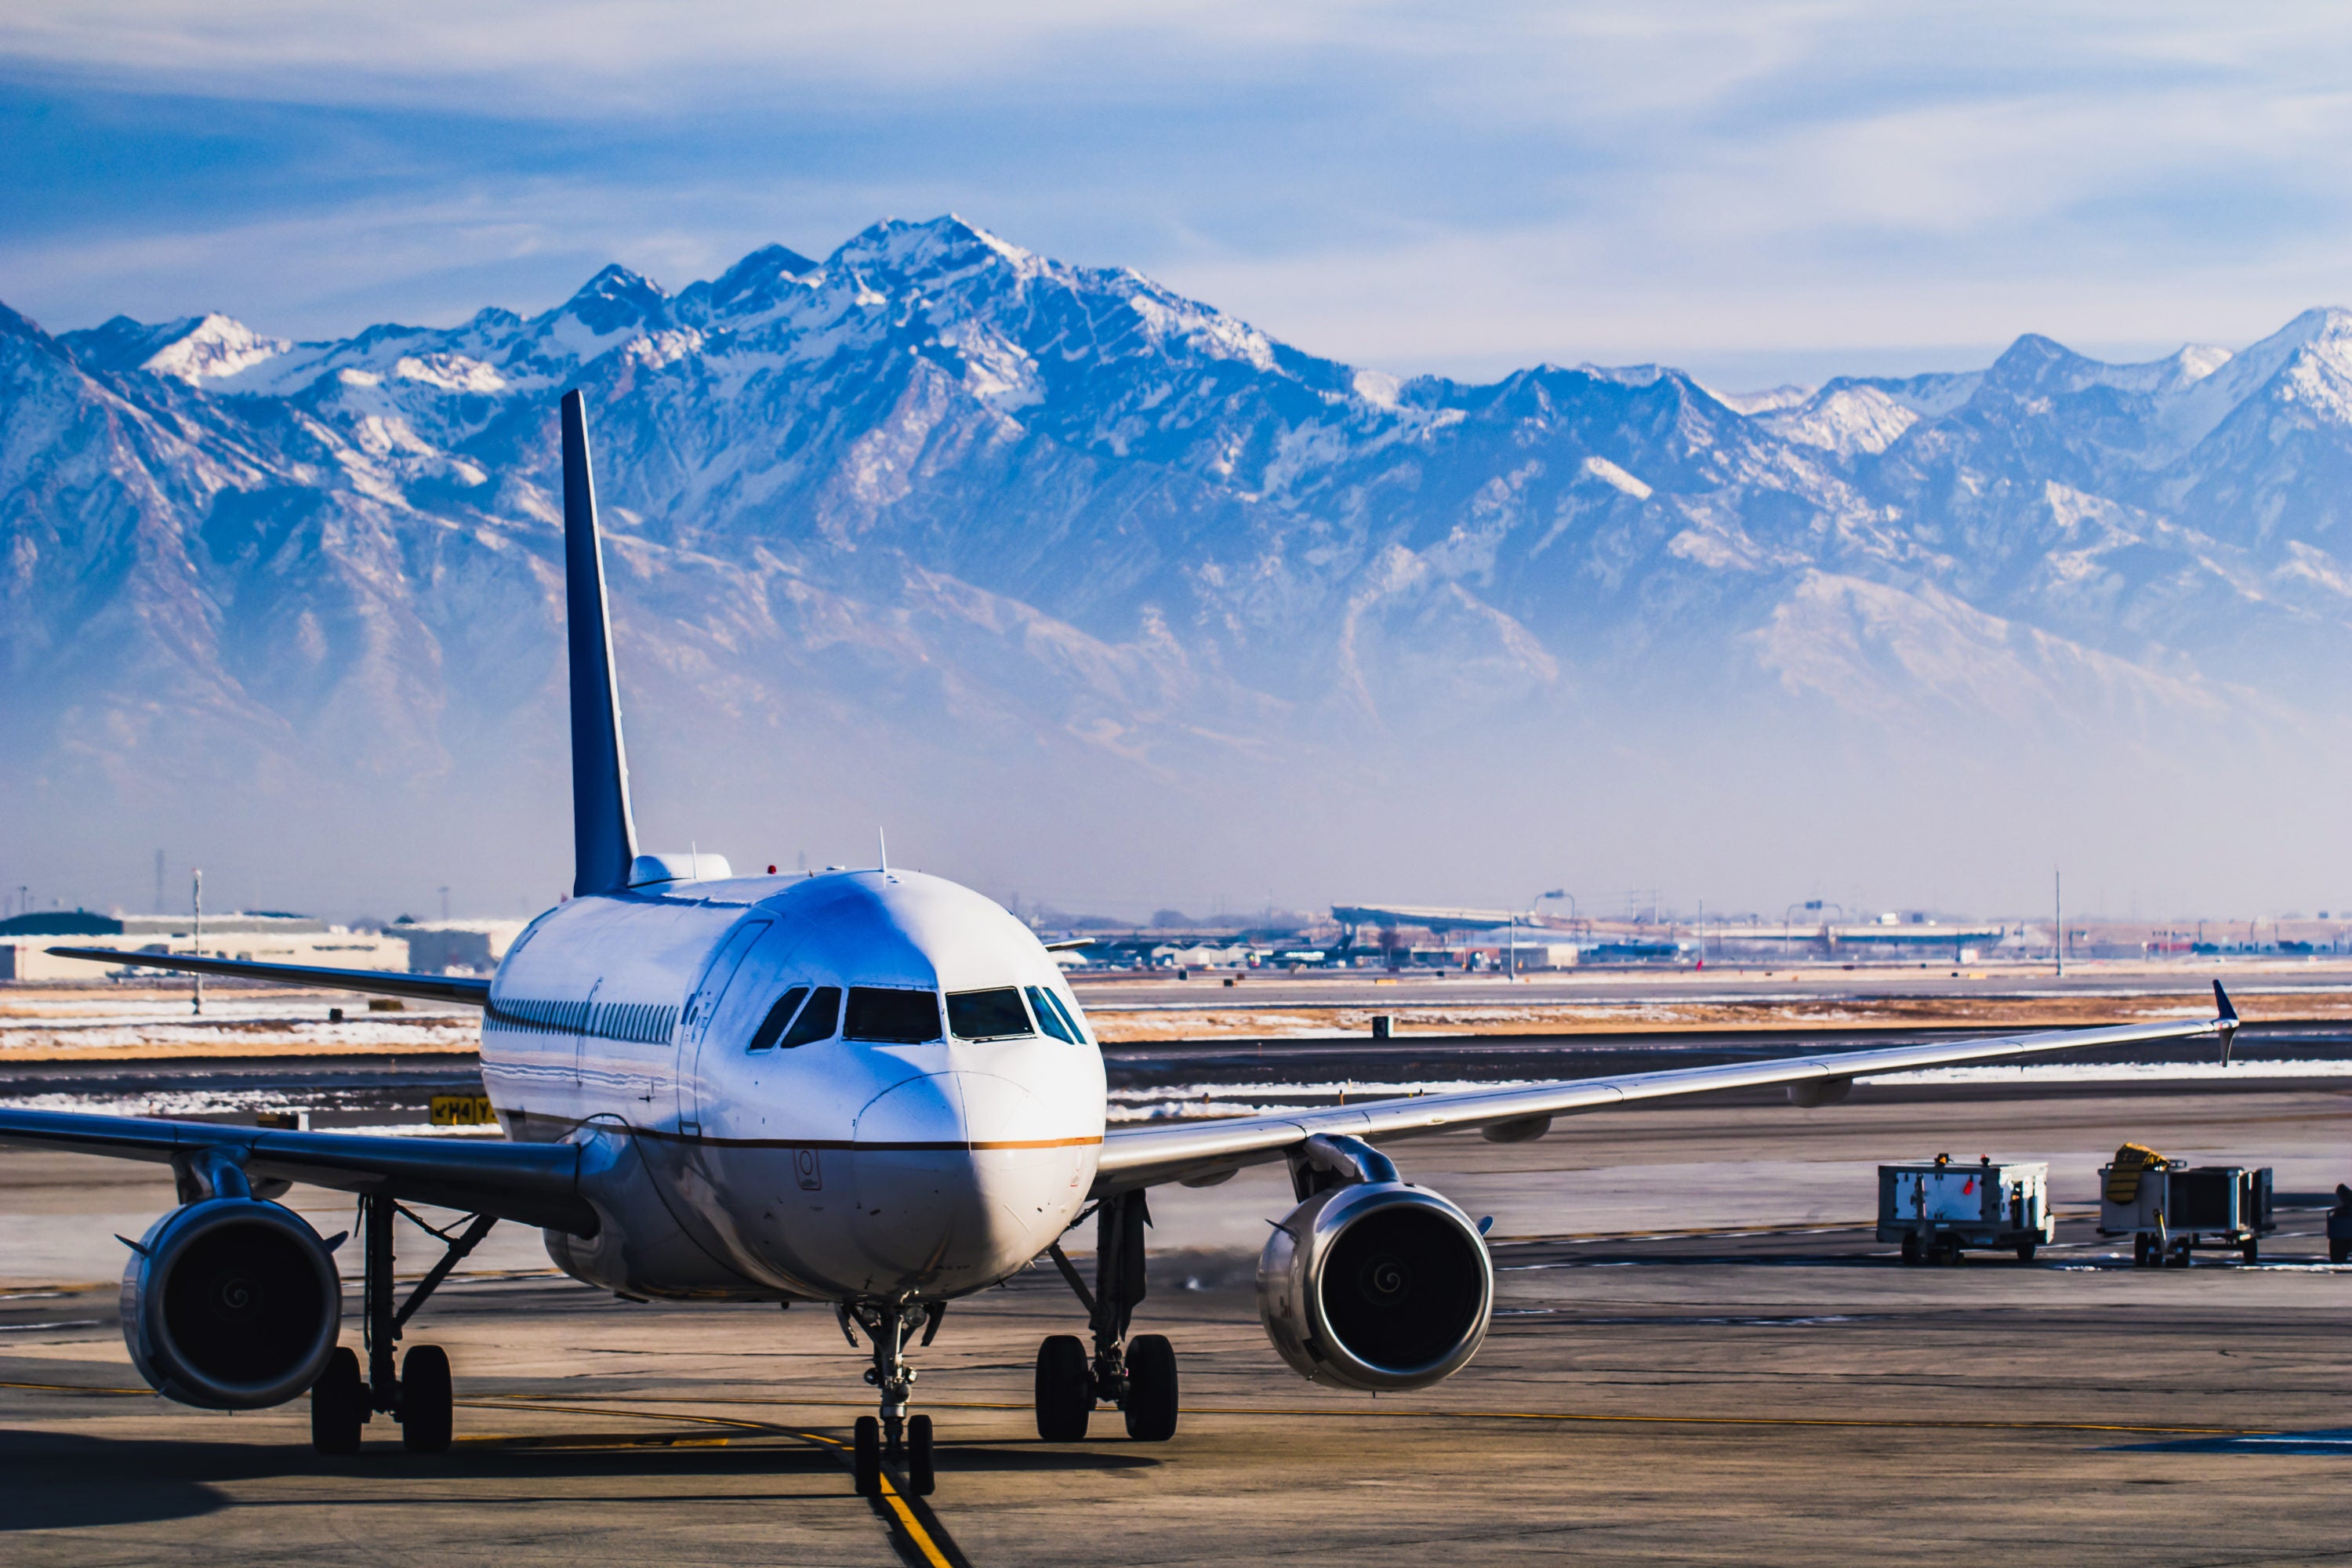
(1139, 1375)
(894, 1438)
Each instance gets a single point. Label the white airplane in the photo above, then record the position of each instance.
(872, 1090)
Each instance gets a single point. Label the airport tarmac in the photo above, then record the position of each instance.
(1701, 1356)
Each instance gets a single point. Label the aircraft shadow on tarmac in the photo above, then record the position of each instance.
(63, 1482)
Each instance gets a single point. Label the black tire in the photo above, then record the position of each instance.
(425, 1400)
(1910, 1249)
(2338, 1251)
(865, 1456)
(2250, 1250)
(1151, 1406)
(921, 1478)
(2026, 1250)
(1065, 1390)
(338, 1405)
(2143, 1251)
(1949, 1254)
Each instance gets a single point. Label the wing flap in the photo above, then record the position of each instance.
(463, 990)
(1145, 1156)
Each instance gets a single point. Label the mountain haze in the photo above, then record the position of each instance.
(1090, 592)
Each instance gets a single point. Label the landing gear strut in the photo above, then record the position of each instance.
(419, 1395)
(1138, 1375)
(895, 1437)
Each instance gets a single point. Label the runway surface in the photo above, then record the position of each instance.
(1701, 1356)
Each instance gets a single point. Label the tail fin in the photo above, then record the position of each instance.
(603, 834)
(2226, 1025)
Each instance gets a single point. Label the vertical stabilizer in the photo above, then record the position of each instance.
(603, 836)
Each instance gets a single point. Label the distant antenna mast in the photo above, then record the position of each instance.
(2058, 908)
(197, 899)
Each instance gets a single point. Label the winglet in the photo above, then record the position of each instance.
(2227, 1024)
(603, 834)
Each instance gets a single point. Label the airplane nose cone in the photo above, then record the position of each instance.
(959, 1180)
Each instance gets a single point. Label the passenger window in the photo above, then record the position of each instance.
(817, 1019)
(987, 1015)
(1049, 1016)
(899, 1017)
(773, 1025)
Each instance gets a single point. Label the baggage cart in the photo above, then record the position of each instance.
(1938, 1211)
(2170, 1208)
(2339, 1226)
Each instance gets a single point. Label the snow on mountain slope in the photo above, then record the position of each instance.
(936, 497)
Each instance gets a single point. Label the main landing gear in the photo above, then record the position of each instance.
(420, 1397)
(895, 1437)
(1138, 1375)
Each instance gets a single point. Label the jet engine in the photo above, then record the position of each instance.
(1370, 1283)
(231, 1303)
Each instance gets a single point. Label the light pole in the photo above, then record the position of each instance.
(197, 899)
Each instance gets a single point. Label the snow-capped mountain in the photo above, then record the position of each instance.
(940, 527)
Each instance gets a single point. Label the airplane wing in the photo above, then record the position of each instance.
(533, 1184)
(1205, 1152)
(463, 989)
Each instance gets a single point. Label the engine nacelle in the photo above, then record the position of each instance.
(1376, 1285)
(231, 1303)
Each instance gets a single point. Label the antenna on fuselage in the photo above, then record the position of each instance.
(882, 843)
(603, 834)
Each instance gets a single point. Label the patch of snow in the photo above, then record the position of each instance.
(449, 372)
(1766, 402)
(215, 347)
(1377, 387)
(1844, 419)
(1609, 473)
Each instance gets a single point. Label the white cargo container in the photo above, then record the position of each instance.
(1936, 1210)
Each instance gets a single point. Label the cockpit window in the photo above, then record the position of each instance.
(987, 1015)
(816, 1019)
(773, 1025)
(901, 1017)
(1050, 1016)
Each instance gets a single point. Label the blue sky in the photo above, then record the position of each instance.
(1760, 191)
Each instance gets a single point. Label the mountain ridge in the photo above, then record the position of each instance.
(945, 503)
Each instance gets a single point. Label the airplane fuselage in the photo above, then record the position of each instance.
(850, 1085)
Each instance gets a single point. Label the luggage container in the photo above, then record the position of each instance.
(2170, 1208)
(1936, 1211)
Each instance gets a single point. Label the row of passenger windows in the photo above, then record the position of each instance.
(644, 1022)
(893, 1016)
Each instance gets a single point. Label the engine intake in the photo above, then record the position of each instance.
(1376, 1285)
(231, 1303)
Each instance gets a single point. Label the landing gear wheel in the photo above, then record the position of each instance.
(2181, 1256)
(865, 1454)
(426, 1398)
(1150, 1403)
(2025, 1251)
(338, 1405)
(2144, 1251)
(1065, 1390)
(920, 1477)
